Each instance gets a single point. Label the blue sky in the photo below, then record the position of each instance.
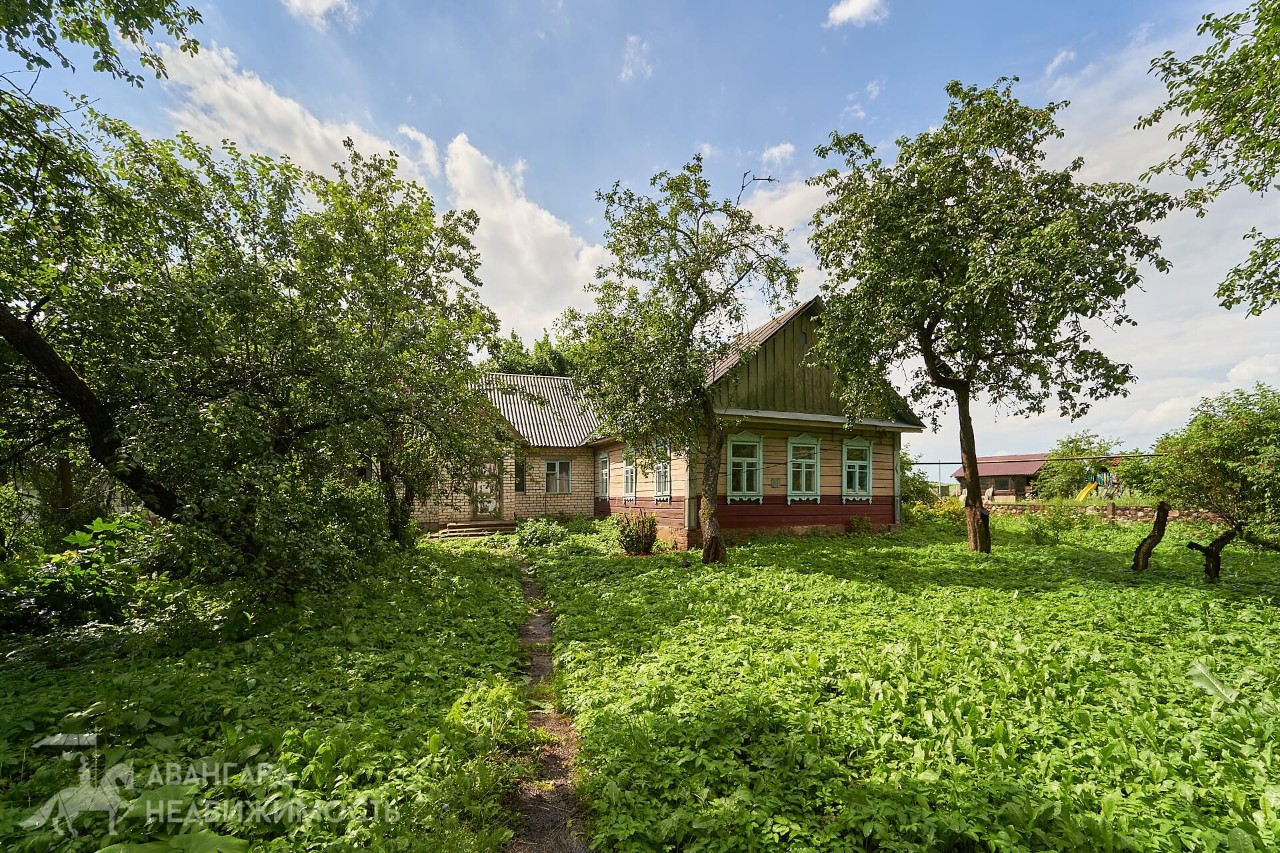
(522, 110)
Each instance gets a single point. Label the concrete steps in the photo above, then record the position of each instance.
(474, 529)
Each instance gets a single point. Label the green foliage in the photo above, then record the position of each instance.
(669, 307)
(899, 693)
(1224, 102)
(244, 334)
(33, 29)
(914, 485)
(1049, 524)
(975, 269)
(898, 240)
(947, 511)
(539, 533)
(1226, 460)
(637, 533)
(388, 699)
(546, 358)
(85, 584)
(1063, 475)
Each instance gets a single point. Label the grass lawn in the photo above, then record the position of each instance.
(898, 693)
(381, 711)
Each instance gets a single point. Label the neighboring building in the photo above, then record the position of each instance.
(1005, 478)
(792, 461)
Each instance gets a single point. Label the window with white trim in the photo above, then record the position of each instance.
(803, 469)
(662, 471)
(746, 456)
(602, 476)
(558, 482)
(857, 469)
(629, 476)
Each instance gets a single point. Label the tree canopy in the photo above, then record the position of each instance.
(1068, 468)
(1225, 101)
(670, 305)
(232, 338)
(545, 358)
(976, 269)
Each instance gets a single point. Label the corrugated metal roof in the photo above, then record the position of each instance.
(546, 411)
(1017, 465)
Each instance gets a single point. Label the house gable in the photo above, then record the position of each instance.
(774, 377)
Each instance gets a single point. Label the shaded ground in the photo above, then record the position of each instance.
(548, 803)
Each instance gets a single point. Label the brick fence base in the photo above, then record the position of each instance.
(1108, 511)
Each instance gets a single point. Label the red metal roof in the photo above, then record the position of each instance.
(1016, 465)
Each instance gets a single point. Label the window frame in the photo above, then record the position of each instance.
(662, 462)
(861, 443)
(562, 466)
(521, 475)
(804, 440)
(744, 438)
(603, 472)
(629, 475)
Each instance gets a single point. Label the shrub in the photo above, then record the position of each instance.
(637, 533)
(88, 583)
(539, 533)
(949, 511)
(860, 526)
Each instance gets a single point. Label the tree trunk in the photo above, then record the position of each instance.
(105, 445)
(976, 517)
(397, 510)
(1142, 556)
(1213, 552)
(713, 550)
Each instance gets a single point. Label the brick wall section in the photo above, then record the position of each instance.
(1109, 511)
(456, 507)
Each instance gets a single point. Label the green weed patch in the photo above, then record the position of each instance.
(898, 693)
(377, 717)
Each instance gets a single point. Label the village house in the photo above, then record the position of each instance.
(792, 460)
(1005, 479)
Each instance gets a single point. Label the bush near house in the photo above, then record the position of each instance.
(900, 693)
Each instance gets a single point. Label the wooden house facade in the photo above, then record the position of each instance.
(791, 462)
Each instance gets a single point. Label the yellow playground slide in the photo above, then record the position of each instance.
(1086, 491)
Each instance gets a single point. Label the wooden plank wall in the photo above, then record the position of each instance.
(775, 379)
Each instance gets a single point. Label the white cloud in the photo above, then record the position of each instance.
(874, 88)
(635, 60)
(776, 155)
(707, 150)
(533, 264)
(317, 13)
(856, 12)
(1060, 59)
(219, 100)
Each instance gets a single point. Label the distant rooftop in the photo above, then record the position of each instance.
(1015, 465)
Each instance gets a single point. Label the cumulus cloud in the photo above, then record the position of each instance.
(856, 12)
(776, 155)
(318, 13)
(635, 60)
(873, 89)
(219, 100)
(533, 264)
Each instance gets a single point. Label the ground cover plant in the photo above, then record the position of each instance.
(380, 713)
(898, 693)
